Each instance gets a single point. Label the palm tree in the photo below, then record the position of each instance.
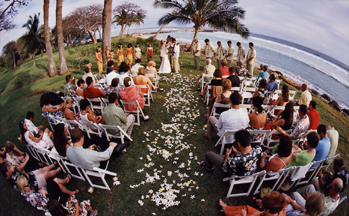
(139, 18)
(122, 19)
(34, 38)
(107, 20)
(52, 71)
(63, 66)
(222, 14)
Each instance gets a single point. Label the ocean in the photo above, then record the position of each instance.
(321, 72)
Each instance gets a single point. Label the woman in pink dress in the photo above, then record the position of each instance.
(131, 93)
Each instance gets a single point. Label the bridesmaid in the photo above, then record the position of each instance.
(107, 53)
(149, 53)
(137, 52)
(120, 54)
(129, 55)
(99, 60)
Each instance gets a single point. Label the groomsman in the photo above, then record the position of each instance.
(220, 54)
(196, 52)
(241, 53)
(230, 53)
(175, 54)
(170, 49)
(209, 49)
(250, 58)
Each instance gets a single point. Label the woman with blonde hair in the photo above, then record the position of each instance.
(99, 60)
(151, 71)
(149, 52)
(137, 54)
(68, 114)
(141, 79)
(131, 93)
(120, 54)
(129, 55)
(107, 53)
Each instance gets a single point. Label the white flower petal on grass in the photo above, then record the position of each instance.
(140, 202)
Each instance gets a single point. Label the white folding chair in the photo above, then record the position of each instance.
(32, 151)
(222, 140)
(248, 107)
(43, 155)
(207, 94)
(96, 104)
(60, 161)
(203, 80)
(118, 129)
(235, 89)
(270, 135)
(148, 96)
(138, 111)
(89, 128)
(292, 94)
(299, 173)
(272, 176)
(98, 173)
(74, 170)
(238, 180)
(261, 136)
(245, 95)
(342, 199)
(311, 172)
(50, 120)
(218, 105)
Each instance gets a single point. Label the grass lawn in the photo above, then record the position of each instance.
(184, 140)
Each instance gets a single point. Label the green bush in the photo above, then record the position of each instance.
(28, 78)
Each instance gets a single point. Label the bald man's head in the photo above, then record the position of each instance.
(337, 185)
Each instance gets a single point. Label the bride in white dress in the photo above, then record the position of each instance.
(165, 66)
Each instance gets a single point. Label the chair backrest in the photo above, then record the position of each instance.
(219, 105)
(98, 173)
(300, 172)
(292, 93)
(215, 91)
(74, 170)
(118, 129)
(248, 107)
(96, 104)
(261, 134)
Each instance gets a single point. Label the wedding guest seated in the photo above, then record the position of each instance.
(47, 108)
(327, 205)
(263, 74)
(241, 161)
(259, 117)
(324, 177)
(313, 205)
(234, 79)
(15, 150)
(284, 98)
(305, 96)
(19, 161)
(90, 91)
(323, 147)
(132, 93)
(241, 71)
(87, 158)
(151, 71)
(113, 88)
(69, 88)
(216, 81)
(87, 116)
(272, 84)
(233, 119)
(281, 159)
(314, 116)
(111, 75)
(262, 89)
(66, 109)
(60, 141)
(284, 119)
(124, 71)
(135, 67)
(73, 207)
(110, 65)
(43, 140)
(273, 204)
(224, 69)
(209, 69)
(300, 126)
(142, 79)
(114, 115)
(223, 98)
(88, 73)
(80, 89)
(30, 125)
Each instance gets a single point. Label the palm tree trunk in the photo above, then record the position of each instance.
(136, 29)
(122, 31)
(34, 64)
(157, 33)
(128, 31)
(52, 70)
(63, 65)
(107, 20)
(195, 36)
(14, 59)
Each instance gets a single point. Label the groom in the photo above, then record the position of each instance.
(175, 56)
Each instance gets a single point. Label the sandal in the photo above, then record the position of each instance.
(203, 165)
(207, 137)
(56, 164)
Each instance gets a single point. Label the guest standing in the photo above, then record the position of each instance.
(149, 52)
(241, 53)
(196, 52)
(220, 54)
(129, 55)
(120, 54)
(209, 49)
(99, 60)
(250, 58)
(230, 53)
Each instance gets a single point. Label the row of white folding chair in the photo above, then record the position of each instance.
(291, 94)
(97, 104)
(148, 96)
(271, 133)
(137, 112)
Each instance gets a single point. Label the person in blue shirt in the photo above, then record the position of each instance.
(264, 74)
(323, 148)
(272, 84)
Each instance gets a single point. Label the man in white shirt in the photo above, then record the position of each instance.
(175, 56)
(220, 54)
(233, 119)
(305, 96)
(196, 52)
(250, 58)
(134, 69)
(88, 73)
(230, 53)
(241, 53)
(209, 49)
(110, 76)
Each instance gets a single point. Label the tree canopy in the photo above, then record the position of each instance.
(9, 11)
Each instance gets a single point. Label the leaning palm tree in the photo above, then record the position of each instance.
(139, 18)
(63, 64)
(52, 70)
(34, 38)
(121, 19)
(222, 14)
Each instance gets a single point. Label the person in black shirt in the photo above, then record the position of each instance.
(110, 66)
(217, 81)
(234, 79)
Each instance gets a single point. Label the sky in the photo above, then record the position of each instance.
(322, 25)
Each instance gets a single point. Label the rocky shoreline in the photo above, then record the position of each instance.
(169, 31)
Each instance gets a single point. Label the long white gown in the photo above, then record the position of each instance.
(165, 66)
